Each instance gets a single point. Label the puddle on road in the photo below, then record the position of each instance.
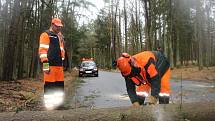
(94, 94)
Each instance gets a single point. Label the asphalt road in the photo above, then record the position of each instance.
(109, 90)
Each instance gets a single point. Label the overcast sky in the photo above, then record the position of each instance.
(92, 13)
(99, 5)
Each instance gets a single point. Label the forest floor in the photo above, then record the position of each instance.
(25, 95)
(192, 73)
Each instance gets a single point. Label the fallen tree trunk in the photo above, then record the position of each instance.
(171, 112)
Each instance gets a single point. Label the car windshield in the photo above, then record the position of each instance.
(87, 63)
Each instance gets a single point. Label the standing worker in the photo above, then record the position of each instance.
(52, 54)
(146, 70)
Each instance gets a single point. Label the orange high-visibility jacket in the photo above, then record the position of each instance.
(51, 48)
(146, 61)
(150, 73)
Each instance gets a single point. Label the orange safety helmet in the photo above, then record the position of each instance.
(123, 63)
(57, 22)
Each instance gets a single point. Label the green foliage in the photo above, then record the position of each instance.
(101, 30)
(75, 35)
(102, 35)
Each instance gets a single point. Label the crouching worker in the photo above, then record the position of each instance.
(52, 54)
(145, 71)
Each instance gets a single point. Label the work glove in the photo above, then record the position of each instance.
(46, 68)
(136, 104)
(152, 100)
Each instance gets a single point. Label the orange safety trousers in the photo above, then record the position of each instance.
(55, 74)
(143, 90)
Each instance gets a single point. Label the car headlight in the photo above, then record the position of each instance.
(95, 69)
(81, 69)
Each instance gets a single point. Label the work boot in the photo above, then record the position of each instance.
(163, 99)
(141, 100)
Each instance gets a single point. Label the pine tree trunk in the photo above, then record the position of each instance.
(10, 51)
(119, 37)
(140, 29)
(171, 37)
(148, 30)
(1, 40)
(199, 35)
(125, 18)
(165, 42)
(177, 51)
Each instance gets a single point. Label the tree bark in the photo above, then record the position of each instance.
(199, 35)
(9, 65)
(147, 5)
(125, 19)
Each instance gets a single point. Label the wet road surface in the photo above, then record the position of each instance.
(109, 90)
